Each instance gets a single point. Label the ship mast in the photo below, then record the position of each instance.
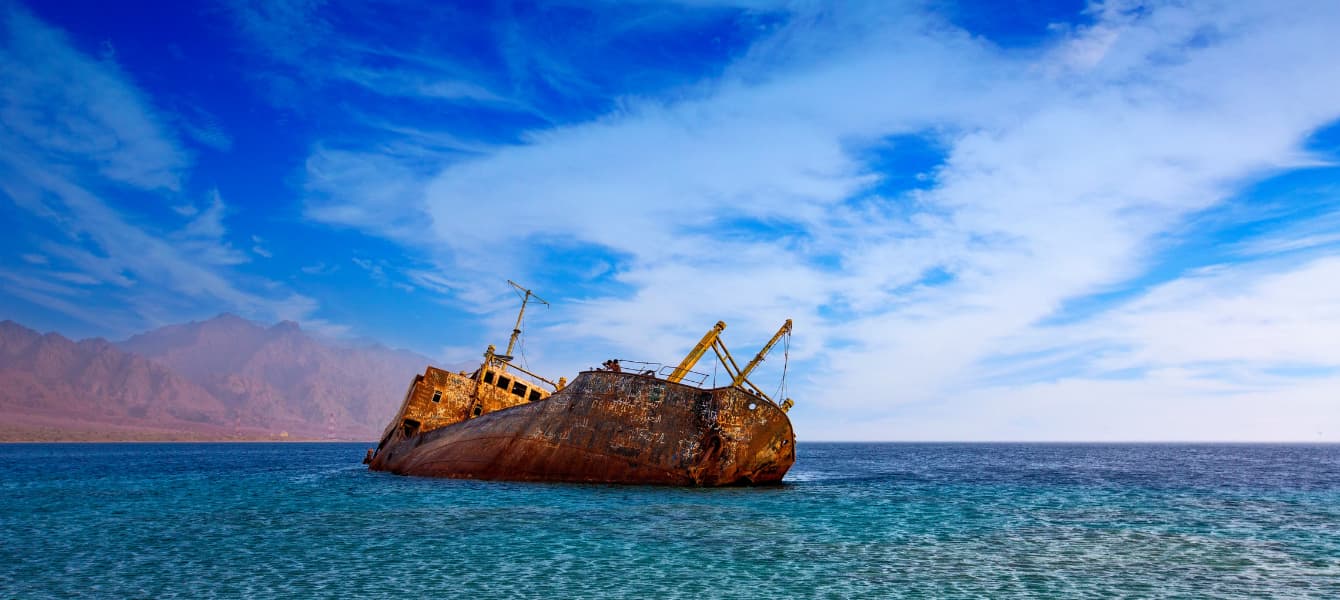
(516, 331)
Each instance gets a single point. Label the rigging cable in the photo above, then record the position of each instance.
(521, 346)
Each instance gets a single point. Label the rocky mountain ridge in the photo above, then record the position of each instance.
(223, 378)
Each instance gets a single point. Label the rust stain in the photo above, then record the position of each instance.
(605, 426)
(440, 398)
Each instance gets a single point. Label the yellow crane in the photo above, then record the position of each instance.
(786, 329)
(709, 340)
(739, 377)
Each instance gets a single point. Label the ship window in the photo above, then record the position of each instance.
(478, 410)
(411, 427)
(504, 382)
(535, 395)
(488, 377)
(519, 389)
(437, 396)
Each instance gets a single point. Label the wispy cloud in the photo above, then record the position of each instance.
(365, 189)
(77, 134)
(1062, 165)
(1261, 315)
(976, 238)
(112, 133)
(258, 248)
(304, 38)
(320, 269)
(1312, 233)
(202, 127)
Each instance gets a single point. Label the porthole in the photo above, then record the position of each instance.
(478, 410)
(752, 406)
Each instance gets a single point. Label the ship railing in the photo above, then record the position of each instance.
(694, 377)
(659, 370)
(655, 369)
(639, 367)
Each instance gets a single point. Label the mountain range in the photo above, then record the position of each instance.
(221, 379)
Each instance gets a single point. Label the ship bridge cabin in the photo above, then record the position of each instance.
(438, 398)
(513, 385)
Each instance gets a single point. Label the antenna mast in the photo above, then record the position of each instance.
(516, 331)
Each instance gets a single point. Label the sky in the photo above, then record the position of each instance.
(989, 220)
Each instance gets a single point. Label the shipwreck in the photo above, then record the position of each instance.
(626, 422)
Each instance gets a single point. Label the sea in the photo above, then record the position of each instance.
(852, 520)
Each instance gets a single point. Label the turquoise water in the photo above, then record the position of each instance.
(854, 520)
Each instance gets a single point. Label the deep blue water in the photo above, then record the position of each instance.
(853, 520)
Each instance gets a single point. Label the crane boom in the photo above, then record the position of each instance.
(740, 378)
(516, 330)
(722, 355)
(696, 353)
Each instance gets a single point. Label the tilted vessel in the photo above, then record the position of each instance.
(645, 425)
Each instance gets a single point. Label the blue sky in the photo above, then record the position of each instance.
(989, 220)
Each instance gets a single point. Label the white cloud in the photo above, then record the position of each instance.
(113, 131)
(1232, 352)
(1266, 314)
(1063, 166)
(204, 233)
(77, 132)
(259, 249)
(203, 127)
(417, 84)
(366, 190)
(1308, 234)
(75, 278)
(298, 36)
(320, 268)
(1165, 406)
(159, 277)
(381, 273)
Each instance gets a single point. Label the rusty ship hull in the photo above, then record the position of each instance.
(604, 427)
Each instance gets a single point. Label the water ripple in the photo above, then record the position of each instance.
(854, 520)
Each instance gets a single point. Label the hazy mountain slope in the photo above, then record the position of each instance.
(282, 375)
(50, 381)
(221, 378)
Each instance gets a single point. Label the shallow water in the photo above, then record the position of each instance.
(867, 520)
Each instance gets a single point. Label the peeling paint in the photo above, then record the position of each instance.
(604, 426)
